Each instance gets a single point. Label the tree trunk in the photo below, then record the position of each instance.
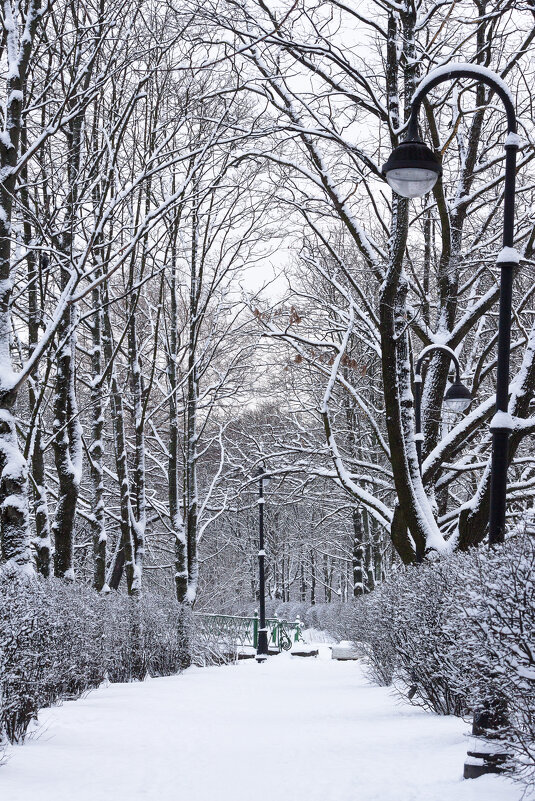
(67, 443)
(134, 578)
(312, 578)
(125, 553)
(191, 449)
(100, 536)
(14, 518)
(34, 450)
(302, 583)
(358, 553)
(175, 494)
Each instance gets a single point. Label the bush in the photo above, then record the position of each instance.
(419, 650)
(58, 641)
(458, 637)
(371, 622)
(498, 609)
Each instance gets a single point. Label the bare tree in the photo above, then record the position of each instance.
(397, 294)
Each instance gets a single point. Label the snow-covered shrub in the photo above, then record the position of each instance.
(458, 636)
(403, 622)
(497, 641)
(26, 645)
(167, 635)
(58, 641)
(425, 635)
(370, 620)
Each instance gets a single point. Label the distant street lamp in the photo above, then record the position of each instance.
(457, 397)
(412, 170)
(262, 646)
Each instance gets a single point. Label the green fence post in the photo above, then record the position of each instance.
(255, 629)
(297, 635)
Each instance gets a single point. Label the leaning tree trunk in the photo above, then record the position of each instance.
(415, 514)
(396, 385)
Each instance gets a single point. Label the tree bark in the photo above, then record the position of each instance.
(100, 536)
(175, 494)
(14, 518)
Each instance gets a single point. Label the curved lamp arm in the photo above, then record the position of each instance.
(418, 391)
(452, 72)
(412, 168)
(430, 349)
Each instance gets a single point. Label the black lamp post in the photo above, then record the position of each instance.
(457, 397)
(262, 646)
(412, 170)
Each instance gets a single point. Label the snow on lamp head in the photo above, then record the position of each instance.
(412, 169)
(457, 397)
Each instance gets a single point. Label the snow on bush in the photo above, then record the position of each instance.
(497, 601)
(58, 641)
(458, 636)
(406, 624)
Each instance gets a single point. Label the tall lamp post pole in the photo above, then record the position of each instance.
(457, 397)
(412, 170)
(262, 647)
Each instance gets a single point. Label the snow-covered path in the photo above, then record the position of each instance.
(294, 728)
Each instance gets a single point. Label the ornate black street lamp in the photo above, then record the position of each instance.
(412, 170)
(262, 646)
(457, 397)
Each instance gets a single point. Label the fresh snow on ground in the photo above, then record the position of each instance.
(295, 728)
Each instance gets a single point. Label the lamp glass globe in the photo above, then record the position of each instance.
(411, 181)
(457, 405)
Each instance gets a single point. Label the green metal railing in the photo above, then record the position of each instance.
(243, 631)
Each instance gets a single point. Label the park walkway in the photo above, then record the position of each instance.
(293, 729)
